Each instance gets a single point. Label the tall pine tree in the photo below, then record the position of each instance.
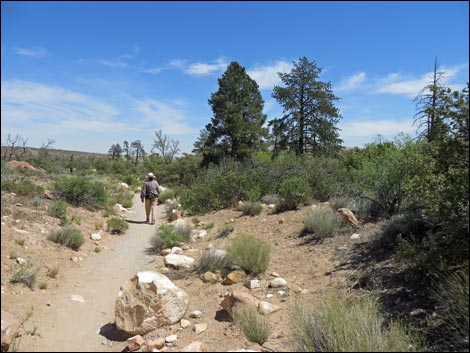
(236, 129)
(310, 117)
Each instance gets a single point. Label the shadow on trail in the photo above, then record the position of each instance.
(135, 222)
(111, 332)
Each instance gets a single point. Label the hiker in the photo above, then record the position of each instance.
(150, 194)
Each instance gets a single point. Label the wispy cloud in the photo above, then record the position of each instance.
(370, 128)
(352, 82)
(202, 69)
(171, 118)
(410, 86)
(112, 64)
(131, 55)
(267, 75)
(31, 52)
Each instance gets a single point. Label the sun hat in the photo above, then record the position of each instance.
(150, 175)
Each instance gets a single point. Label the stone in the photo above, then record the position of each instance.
(194, 347)
(95, 236)
(124, 185)
(200, 234)
(148, 301)
(77, 298)
(234, 277)
(196, 314)
(252, 284)
(355, 236)
(271, 206)
(9, 326)
(154, 344)
(134, 343)
(117, 208)
(200, 328)
(176, 250)
(21, 261)
(348, 216)
(210, 277)
(265, 308)
(171, 339)
(275, 274)
(177, 261)
(237, 298)
(20, 165)
(278, 282)
(185, 323)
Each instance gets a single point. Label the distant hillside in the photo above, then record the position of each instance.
(54, 153)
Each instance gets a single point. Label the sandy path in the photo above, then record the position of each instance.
(69, 326)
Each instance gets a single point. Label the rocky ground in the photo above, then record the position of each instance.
(76, 310)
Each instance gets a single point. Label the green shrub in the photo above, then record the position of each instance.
(270, 199)
(68, 236)
(108, 212)
(167, 194)
(255, 327)
(213, 261)
(37, 201)
(321, 223)
(19, 184)
(25, 274)
(117, 225)
(209, 226)
(53, 272)
(250, 253)
(76, 219)
(169, 236)
(225, 230)
(339, 325)
(43, 285)
(97, 249)
(185, 229)
(293, 191)
(251, 208)
(338, 202)
(20, 241)
(98, 225)
(79, 191)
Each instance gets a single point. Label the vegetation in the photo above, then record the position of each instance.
(355, 325)
(52, 272)
(321, 223)
(68, 236)
(255, 327)
(25, 274)
(117, 225)
(212, 261)
(58, 209)
(251, 208)
(166, 237)
(250, 253)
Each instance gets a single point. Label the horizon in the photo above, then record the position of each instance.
(92, 74)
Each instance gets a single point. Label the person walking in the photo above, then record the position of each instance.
(150, 193)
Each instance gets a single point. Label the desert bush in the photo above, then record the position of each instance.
(117, 225)
(209, 226)
(19, 184)
(250, 253)
(20, 241)
(97, 249)
(338, 202)
(68, 236)
(255, 326)
(356, 325)
(450, 290)
(321, 223)
(270, 199)
(108, 212)
(37, 201)
(185, 229)
(98, 225)
(212, 261)
(167, 194)
(251, 208)
(293, 191)
(52, 272)
(43, 285)
(169, 236)
(25, 274)
(225, 230)
(79, 191)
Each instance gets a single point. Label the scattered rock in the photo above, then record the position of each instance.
(210, 277)
(269, 295)
(234, 277)
(185, 323)
(194, 347)
(200, 328)
(154, 344)
(275, 274)
(124, 185)
(9, 327)
(21, 261)
(20, 165)
(237, 298)
(177, 261)
(134, 343)
(252, 284)
(278, 282)
(171, 339)
(196, 314)
(176, 250)
(355, 236)
(95, 236)
(199, 235)
(265, 308)
(77, 298)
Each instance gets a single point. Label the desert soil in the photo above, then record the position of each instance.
(61, 324)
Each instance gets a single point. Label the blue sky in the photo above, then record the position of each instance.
(92, 74)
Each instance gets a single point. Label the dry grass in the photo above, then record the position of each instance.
(255, 326)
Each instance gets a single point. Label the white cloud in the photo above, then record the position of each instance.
(266, 76)
(168, 117)
(32, 52)
(113, 64)
(352, 82)
(202, 69)
(178, 63)
(154, 70)
(371, 128)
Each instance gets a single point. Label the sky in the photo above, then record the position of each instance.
(92, 74)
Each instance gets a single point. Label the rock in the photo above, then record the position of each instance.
(210, 277)
(177, 261)
(95, 236)
(355, 236)
(147, 301)
(21, 261)
(269, 295)
(196, 314)
(77, 298)
(161, 189)
(200, 328)
(265, 308)
(117, 208)
(281, 221)
(275, 274)
(176, 250)
(348, 216)
(252, 284)
(200, 234)
(241, 350)
(278, 282)
(171, 339)
(164, 270)
(237, 298)
(234, 277)
(271, 206)
(124, 185)
(185, 323)
(9, 326)
(154, 344)
(134, 343)
(20, 165)
(194, 347)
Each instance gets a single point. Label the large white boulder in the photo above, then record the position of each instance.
(177, 261)
(147, 301)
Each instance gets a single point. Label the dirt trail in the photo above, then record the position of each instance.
(71, 326)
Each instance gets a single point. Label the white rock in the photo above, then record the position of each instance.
(196, 314)
(278, 282)
(171, 339)
(200, 328)
(193, 347)
(185, 323)
(269, 295)
(21, 261)
(200, 234)
(265, 308)
(176, 250)
(95, 236)
(275, 274)
(177, 261)
(124, 185)
(77, 298)
(355, 236)
(251, 284)
(271, 206)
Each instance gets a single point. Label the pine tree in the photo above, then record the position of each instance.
(236, 129)
(309, 121)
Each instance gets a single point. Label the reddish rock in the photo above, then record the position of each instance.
(134, 343)
(238, 298)
(10, 325)
(348, 216)
(20, 165)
